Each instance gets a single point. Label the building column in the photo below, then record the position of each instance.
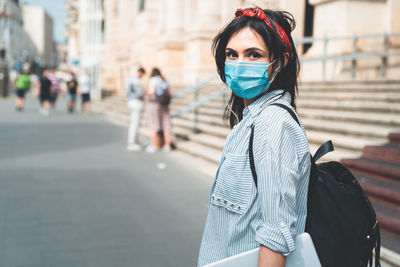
(198, 61)
(171, 46)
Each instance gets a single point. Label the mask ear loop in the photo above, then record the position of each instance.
(227, 104)
(275, 73)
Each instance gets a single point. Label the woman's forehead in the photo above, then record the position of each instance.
(246, 38)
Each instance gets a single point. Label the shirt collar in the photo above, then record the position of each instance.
(255, 108)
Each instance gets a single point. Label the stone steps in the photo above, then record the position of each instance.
(379, 85)
(389, 153)
(331, 128)
(364, 106)
(357, 117)
(215, 137)
(374, 168)
(378, 118)
(353, 96)
(378, 171)
(198, 150)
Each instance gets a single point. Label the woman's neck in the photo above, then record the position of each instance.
(247, 102)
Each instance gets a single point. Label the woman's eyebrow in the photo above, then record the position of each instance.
(251, 49)
(230, 49)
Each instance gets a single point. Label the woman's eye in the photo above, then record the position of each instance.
(255, 55)
(231, 54)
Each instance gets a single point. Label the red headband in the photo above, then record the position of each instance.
(258, 13)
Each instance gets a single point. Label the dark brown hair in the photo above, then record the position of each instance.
(286, 77)
(157, 72)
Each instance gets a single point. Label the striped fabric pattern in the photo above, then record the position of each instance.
(241, 216)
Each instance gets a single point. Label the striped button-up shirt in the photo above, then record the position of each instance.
(241, 216)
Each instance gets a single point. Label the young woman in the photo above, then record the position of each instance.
(158, 116)
(256, 58)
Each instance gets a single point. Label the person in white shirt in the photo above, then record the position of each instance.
(134, 96)
(84, 88)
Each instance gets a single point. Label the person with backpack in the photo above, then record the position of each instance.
(55, 88)
(22, 85)
(134, 95)
(256, 58)
(45, 94)
(158, 116)
(268, 188)
(72, 85)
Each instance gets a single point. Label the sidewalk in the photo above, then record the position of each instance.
(70, 195)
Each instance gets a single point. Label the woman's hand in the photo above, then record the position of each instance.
(269, 258)
(151, 91)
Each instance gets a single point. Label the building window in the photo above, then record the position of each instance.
(141, 5)
(308, 25)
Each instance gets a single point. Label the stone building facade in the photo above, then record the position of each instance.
(85, 32)
(38, 25)
(176, 35)
(16, 45)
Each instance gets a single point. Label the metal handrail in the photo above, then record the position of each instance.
(194, 87)
(196, 104)
(310, 39)
(200, 102)
(354, 55)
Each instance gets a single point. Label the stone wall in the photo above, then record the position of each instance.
(176, 35)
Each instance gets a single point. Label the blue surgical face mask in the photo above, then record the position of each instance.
(247, 79)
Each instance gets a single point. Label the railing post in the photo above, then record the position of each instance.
(384, 56)
(196, 112)
(324, 55)
(354, 55)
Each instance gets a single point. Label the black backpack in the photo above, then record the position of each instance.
(165, 98)
(340, 217)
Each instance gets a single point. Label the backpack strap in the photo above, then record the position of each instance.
(322, 150)
(291, 112)
(251, 156)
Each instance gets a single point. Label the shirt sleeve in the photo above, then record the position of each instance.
(277, 167)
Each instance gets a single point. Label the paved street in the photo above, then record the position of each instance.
(70, 195)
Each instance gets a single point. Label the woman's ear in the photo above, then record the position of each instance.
(286, 58)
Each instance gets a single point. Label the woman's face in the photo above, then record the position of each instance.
(247, 46)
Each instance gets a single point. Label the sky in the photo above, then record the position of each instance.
(56, 9)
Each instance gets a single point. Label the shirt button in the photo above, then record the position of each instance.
(238, 208)
(225, 202)
(232, 206)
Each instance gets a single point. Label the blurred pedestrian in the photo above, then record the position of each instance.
(35, 84)
(84, 89)
(72, 85)
(45, 94)
(158, 117)
(22, 85)
(55, 88)
(134, 95)
(4, 79)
